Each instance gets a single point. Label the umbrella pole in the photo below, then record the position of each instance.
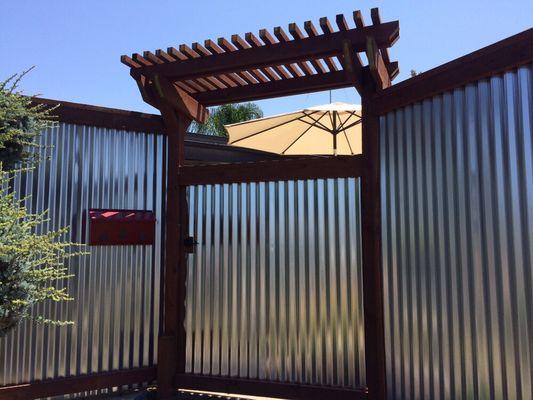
(334, 133)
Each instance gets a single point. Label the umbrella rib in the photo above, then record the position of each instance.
(322, 126)
(266, 129)
(352, 124)
(349, 145)
(346, 120)
(299, 137)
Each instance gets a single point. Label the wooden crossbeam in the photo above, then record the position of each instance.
(284, 87)
(320, 46)
(311, 167)
(377, 65)
(180, 100)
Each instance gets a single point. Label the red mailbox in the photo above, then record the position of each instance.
(121, 227)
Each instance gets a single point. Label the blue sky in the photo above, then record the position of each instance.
(76, 45)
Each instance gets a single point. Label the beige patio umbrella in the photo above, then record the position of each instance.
(332, 129)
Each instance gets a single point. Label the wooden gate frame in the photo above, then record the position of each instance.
(182, 83)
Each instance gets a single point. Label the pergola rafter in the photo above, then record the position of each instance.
(271, 65)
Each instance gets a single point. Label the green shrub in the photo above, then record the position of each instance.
(31, 265)
(21, 123)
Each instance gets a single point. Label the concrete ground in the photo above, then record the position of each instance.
(147, 395)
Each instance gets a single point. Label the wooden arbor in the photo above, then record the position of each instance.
(182, 82)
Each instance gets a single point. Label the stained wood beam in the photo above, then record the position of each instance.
(143, 84)
(285, 87)
(214, 48)
(342, 24)
(317, 64)
(297, 34)
(377, 66)
(77, 384)
(376, 20)
(129, 62)
(311, 167)
(358, 19)
(276, 54)
(283, 37)
(179, 99)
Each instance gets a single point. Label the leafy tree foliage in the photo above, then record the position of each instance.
(32, 268)
(227, 114)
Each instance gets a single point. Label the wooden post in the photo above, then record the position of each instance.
(371, 228)
(171, 347)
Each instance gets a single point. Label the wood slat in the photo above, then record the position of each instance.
(311, 32)
(195, 85)
(280, 72)
(141, 60)
(374, 16)
(284, 87)
(127, 60)
(186, 50)
(297, 34)
(176, 54)
(186, 87)
(289, 52)
(253, 41)
(214, 48)
(342, 24)
(223, 79)
(152, 58)
(268, 39)
(325, 25)
(230, 48)
(241, 44)
(164, 55)
(282, 38)
(197, 47)
(273, 170)
(209, 83)
(376, 20)
(358, 19)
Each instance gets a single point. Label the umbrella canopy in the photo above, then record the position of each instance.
(331, 129)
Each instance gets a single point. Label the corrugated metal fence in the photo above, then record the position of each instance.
(457, 209)
(274, 288)
(115, 289)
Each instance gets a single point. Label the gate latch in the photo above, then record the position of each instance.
(190, 244)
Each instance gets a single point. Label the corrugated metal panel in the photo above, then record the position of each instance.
(457, 204)
(274, 289)
(116, 289)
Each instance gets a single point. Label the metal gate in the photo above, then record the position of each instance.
(274, 300)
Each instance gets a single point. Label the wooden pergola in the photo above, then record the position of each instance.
(183, 82)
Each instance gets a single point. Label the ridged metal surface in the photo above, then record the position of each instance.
(457, 207)
(115, 288)
(274, 288)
